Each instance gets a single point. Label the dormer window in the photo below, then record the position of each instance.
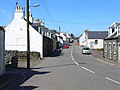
(113, 30)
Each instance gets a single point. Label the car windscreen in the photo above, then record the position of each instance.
(86, 48)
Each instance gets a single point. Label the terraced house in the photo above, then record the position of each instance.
(93, 39)
(16, 39)
(112, 42)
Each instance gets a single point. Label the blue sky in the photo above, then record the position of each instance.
(73, 16)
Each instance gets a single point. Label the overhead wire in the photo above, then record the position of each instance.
(49, 12)
(77, 23)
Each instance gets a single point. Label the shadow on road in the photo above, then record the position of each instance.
(56, 53)
(23, 76)
(28, 87)
(64, 65)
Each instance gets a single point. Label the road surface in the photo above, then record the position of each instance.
(70, 71)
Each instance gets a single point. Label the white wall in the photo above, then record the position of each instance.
(16, 37)
(92, 45)
(2, 50)
(64, 37)
(83, 40)
(116, 27)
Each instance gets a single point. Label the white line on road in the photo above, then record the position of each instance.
(76, 63)
(112, 80)
(73, 57)
(87, 69)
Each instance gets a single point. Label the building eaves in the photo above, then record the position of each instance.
(112, 36)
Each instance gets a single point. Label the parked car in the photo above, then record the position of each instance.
(77, 43)
(66, 46)
(86, 50)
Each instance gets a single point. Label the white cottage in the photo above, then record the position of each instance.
(63, 35)
(93, 39)
(16, 34)
(59, 39)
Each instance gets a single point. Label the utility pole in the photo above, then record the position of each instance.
(59, 29)
(28, 35)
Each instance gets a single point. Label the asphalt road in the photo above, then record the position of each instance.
(69, 71)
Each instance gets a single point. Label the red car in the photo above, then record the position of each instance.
(66, 46)
(77, 43)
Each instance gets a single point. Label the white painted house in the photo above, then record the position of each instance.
(63, 35)
(59, 39)
(93, 39)
(2, 51)
(83, 39)
(16, 34)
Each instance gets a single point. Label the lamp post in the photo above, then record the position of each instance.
(28, 31)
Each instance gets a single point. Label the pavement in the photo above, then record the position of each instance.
(14, 73)
(99, 56)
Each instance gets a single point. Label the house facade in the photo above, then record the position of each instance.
(16, 34)
(92, 39)
(47, 37)
(112, 42)
(63, 36)
(60, 40)
(2, 51)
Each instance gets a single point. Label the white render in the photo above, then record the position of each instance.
(116, 27)
(59, 40)
(85, 41)
(2, 50)
(16, 35)
(92, 45)
(63, 35)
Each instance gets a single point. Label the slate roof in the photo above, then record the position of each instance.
(97, 34)
(113, 36)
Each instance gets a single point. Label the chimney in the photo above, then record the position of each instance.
(30, 18)
(18, 14)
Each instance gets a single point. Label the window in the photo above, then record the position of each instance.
(113, 30)
(114, 49)
(96, 41)
(105, 47)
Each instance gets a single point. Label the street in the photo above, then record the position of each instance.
(70, 71)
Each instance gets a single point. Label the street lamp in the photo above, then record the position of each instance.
(28, 35)
(35, 5)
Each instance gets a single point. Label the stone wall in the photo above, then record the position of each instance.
(10, 54)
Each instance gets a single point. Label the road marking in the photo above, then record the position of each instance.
(87, 69)
(76, 63)
(73, 57)
(112, 80)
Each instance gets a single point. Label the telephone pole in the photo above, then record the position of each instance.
(28, 35)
